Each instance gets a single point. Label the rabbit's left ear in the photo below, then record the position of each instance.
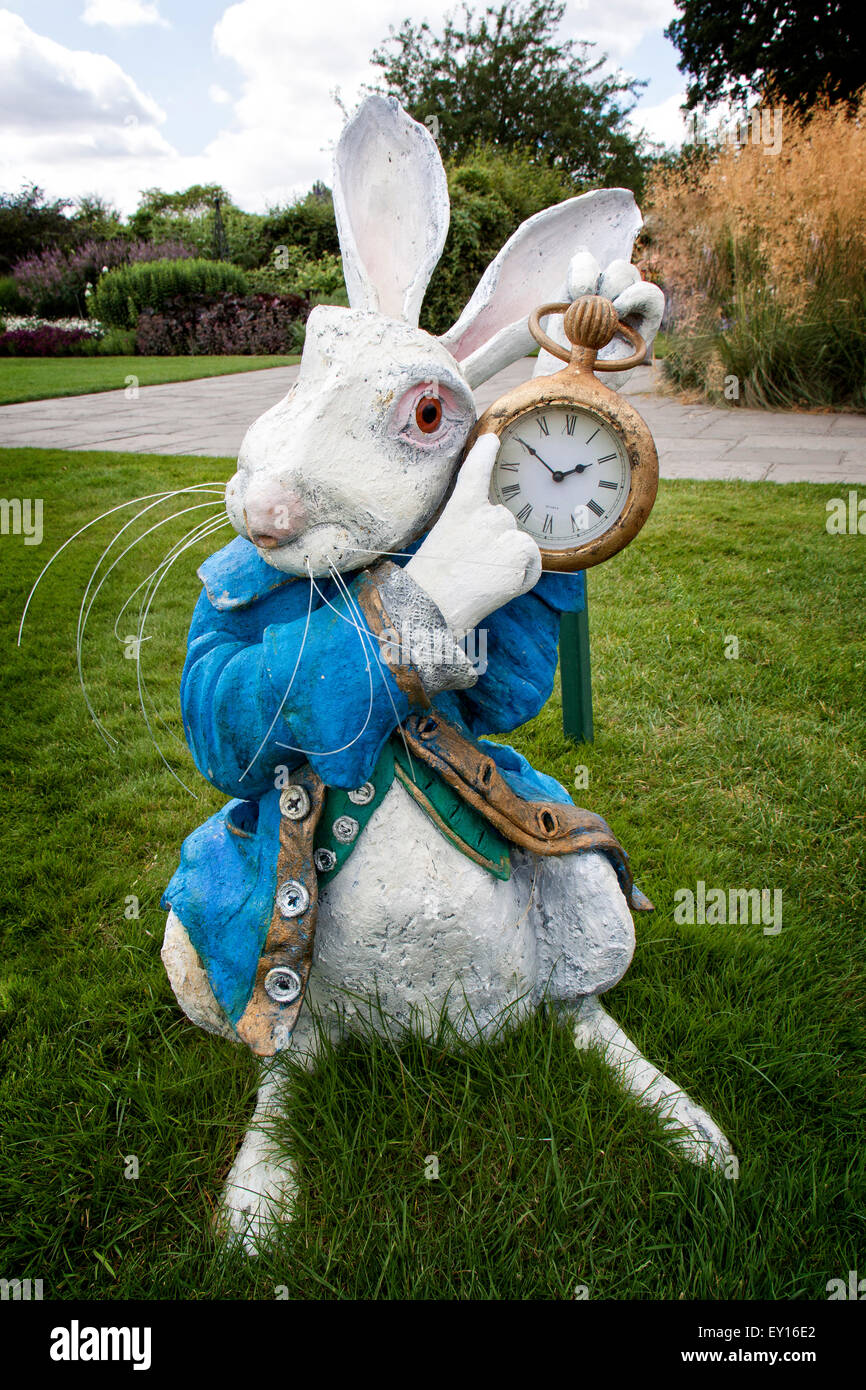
(531, 269)
(392, 209)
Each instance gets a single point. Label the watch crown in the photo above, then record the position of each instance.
(590, 322)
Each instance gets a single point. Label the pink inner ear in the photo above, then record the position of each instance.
(531, 267)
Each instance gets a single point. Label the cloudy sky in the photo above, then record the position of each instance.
(113, 96)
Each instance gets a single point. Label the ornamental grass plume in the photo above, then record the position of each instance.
(762, 255)
(789, 208)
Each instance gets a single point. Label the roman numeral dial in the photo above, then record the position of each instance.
(563, 473)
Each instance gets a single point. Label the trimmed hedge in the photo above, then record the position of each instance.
(233, 324)
(121, 296)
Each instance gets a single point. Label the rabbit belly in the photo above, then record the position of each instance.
(413, 919)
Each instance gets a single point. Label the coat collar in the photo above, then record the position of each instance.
(237, 576)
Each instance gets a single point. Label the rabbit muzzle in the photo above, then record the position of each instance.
(273, 516)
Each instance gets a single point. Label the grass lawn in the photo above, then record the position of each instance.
(747, 772)
(38, 378)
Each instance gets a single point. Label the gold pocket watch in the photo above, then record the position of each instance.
(577, 465)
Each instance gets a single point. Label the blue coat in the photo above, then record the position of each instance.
(250, 631)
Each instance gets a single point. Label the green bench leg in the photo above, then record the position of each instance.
(575, 676)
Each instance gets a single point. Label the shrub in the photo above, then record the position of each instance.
(117, 342)
(55, 282)
(10, 297)
(233, 324)
(124, 294)
(296, 273)
(308, 223)
(46, 341)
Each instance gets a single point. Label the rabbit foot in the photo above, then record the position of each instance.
(692, 1129)
(260, 1189)
(259, 1193)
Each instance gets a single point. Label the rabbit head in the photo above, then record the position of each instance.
(357, 459)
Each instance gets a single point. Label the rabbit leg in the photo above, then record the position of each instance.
(261, 1188)
(584, 931)
(692, 1130)
(585, 943)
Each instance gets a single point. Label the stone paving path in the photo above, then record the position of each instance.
(210, 416)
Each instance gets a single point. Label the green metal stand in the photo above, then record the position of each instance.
(575, 676)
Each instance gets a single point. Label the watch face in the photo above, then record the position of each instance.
(563, 473)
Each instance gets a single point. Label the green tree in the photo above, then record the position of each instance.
(491, 192)
(190, 216)
(308, 222)
(795, 50)
(95, 217)
(29, 224)
(502, 79)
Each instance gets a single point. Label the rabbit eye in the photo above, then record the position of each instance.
(428, 414)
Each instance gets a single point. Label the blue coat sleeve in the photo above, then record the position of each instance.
(263, 688)
(518, 647)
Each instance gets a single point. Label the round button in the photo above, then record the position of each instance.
(362, 796)
(345, 828)
(294, 802)
(292, 898)
(325, 860)
(283, 985)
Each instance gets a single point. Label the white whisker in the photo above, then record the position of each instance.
(446, 559)
(341, 584)
(198, 533)
(288, 687)
(327, 752)
(140, 639)
(83, 615)
(111, 511)
(202, 527)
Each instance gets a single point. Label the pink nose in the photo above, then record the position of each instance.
(273, 515)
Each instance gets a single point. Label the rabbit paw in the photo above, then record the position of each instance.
(475, 558)
(259, 1193)
(638, 302)
(692, 1129)
(695, 1133)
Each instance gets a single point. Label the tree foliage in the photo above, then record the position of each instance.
(308, 223)
(491, 192)
(792, 50)
(502, 79)
(29, 224)
(190, 215)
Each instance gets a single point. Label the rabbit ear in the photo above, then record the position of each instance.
(532, 268)
(391, 204)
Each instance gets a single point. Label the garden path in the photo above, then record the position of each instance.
(210, 416)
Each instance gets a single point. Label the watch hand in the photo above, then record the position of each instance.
(579, 468)
(536, 454)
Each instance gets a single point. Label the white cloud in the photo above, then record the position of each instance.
(617, 26)
(77, 122)
(665, 122)
(46, 87)
(72, 120)
(123, 14)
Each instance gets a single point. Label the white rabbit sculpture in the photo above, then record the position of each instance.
(293, 705)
